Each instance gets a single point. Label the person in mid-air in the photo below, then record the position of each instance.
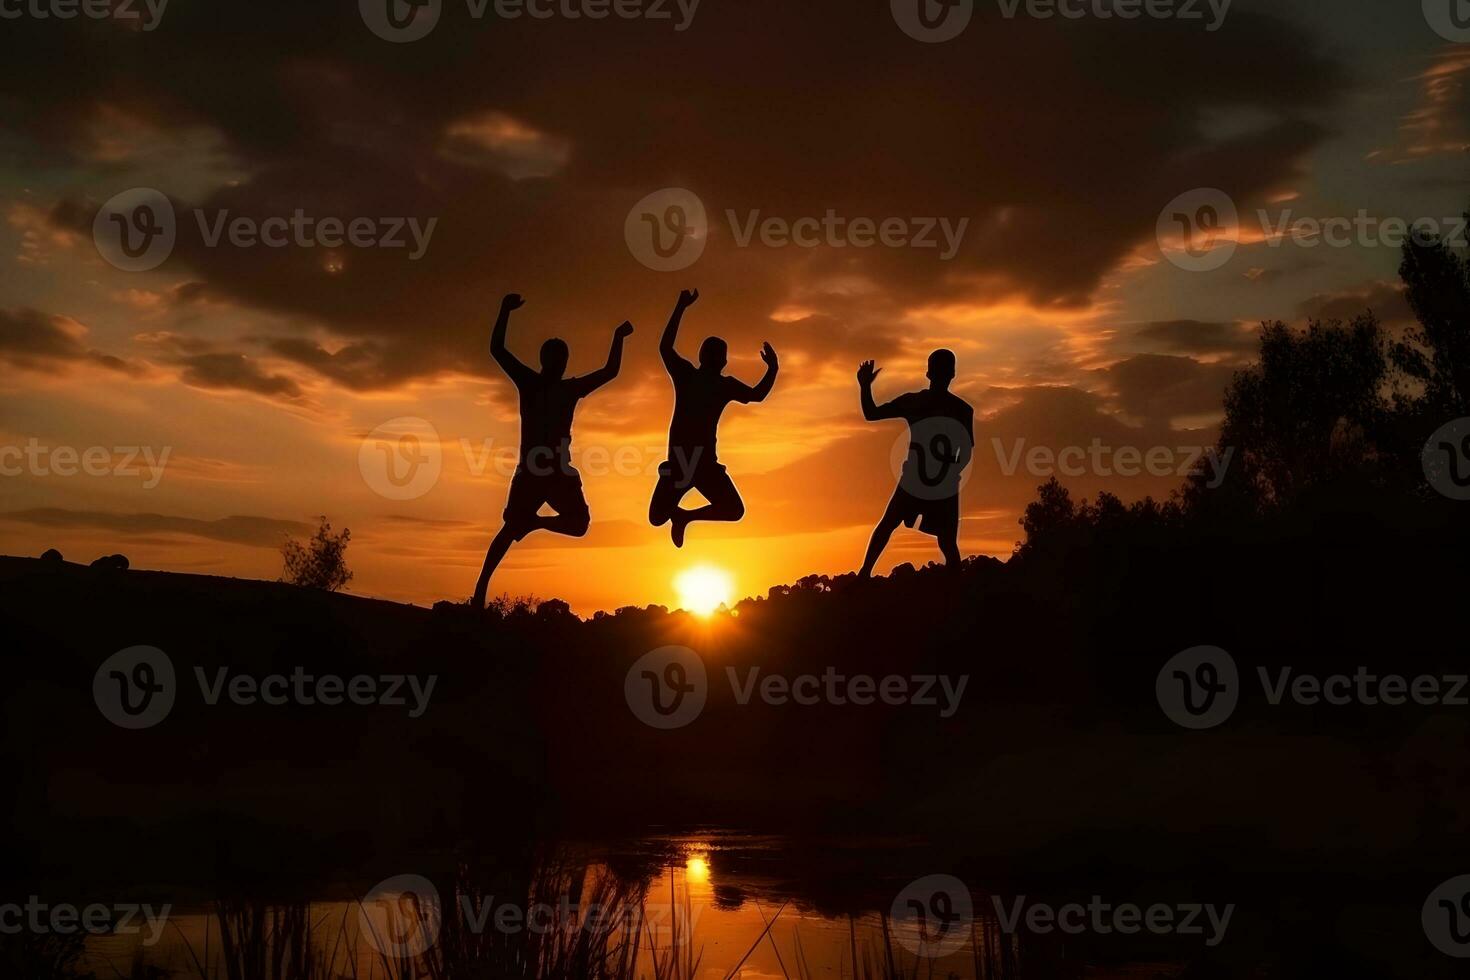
(941, 442)
(544, 472)
(700, 395)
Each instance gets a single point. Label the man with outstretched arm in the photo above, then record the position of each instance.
(700, 396)
(941, 442)
(544, 472)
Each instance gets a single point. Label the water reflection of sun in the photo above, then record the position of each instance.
(696, 869)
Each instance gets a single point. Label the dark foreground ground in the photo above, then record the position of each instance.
(1056, 769)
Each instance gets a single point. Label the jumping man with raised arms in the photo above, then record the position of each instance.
(700, 396)
(544, 472)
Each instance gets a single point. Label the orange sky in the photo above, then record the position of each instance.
(263, 373)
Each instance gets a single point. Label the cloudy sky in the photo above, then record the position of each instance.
(236, 389)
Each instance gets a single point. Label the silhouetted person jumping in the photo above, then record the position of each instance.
(700, 395)
(941, 442)
(544, 472)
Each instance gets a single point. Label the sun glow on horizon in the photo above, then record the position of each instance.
(703, 589)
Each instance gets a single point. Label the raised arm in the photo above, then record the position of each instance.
(614, 363)
(745, 393)
(666, 350)
(872, 411)
(507, 361)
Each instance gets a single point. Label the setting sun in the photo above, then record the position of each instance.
(703, 589)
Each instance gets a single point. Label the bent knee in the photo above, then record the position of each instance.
(735, 509)
(578, 525)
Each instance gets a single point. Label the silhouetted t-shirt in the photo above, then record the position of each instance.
(546, 420)
(699, 399)
(941, 425)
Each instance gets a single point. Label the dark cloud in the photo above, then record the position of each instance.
(786, 109)
(234, 371)
(1163, 386)
(826, 338)
(1198, 337)
(1385, 300)
(359, 366)
(43, 342)
(260, 532)
(203, 365)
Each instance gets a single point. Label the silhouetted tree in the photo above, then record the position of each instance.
(1305, 417)
(321, 563)
(1054, 524)
(1435, 354)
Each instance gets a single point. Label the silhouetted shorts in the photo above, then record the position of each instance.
(561, 489)
(941, 518)
(674, 481)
